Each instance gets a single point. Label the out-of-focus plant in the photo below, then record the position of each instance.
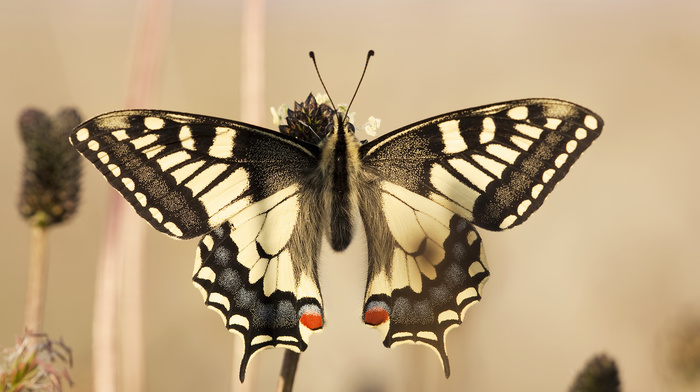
(682, 351)
(35, 363)
(50, 191)
(599, 375)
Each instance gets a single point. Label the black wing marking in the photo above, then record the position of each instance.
(493, 165)
(187, 174)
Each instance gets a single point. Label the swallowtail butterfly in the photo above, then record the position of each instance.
(263, 200)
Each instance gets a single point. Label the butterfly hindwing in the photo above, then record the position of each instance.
(258, 270)
(426, 267)
(187, 174)
(491, 166)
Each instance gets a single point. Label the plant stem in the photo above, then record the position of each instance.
(289, 370)
(36, 280)
(252, 108)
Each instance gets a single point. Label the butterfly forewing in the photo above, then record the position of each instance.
(493, 165)
(188, 174)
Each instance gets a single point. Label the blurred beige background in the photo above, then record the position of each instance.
(609, 264)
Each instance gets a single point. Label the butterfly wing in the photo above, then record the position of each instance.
(187, 174)
(249, 188)
(249, 271)
(491, 166)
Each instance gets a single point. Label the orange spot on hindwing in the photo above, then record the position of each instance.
(376, 312)
(311, 317)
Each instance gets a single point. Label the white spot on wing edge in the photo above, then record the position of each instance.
(453, 140)
(547, 175)
(206, 273)
(488, 130)
(518, 113)
(507, 222)
(172, 227)
(581, 134)
(561, 159)
(536, 190)
(260, 339)
(208, 241)
(82, 134)
(220, 299)
(447, 315)
(93, 145)
(129, 183)
(470, 292)
(141, 198)
(427, 335)
(116, 171)
(475, 268)
(120, 135)
(103, 157)
(222, 145)
(185, 136)
(155, 213)
(153, 123)
(237, 319)
(522, 208)
(571, 146)
(552, 123)
(590, 122)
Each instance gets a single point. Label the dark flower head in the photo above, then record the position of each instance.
(51, 168)
(308, 120)
(599, 375)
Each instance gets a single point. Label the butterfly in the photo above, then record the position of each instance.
(262, 201)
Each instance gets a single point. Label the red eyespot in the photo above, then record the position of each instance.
(376, 315)
(311, 320)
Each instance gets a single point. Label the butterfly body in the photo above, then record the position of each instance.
(341, 168)
(263, 201)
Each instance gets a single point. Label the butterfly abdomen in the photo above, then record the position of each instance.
(340, 159)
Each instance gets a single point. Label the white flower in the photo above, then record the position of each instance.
(371, 126)
(279, 115)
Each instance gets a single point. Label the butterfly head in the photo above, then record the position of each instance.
(340, 124)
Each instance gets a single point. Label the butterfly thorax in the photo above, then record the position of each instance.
(340, 166)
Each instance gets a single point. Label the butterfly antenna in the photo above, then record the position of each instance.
(313, 58)
(369, 54)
